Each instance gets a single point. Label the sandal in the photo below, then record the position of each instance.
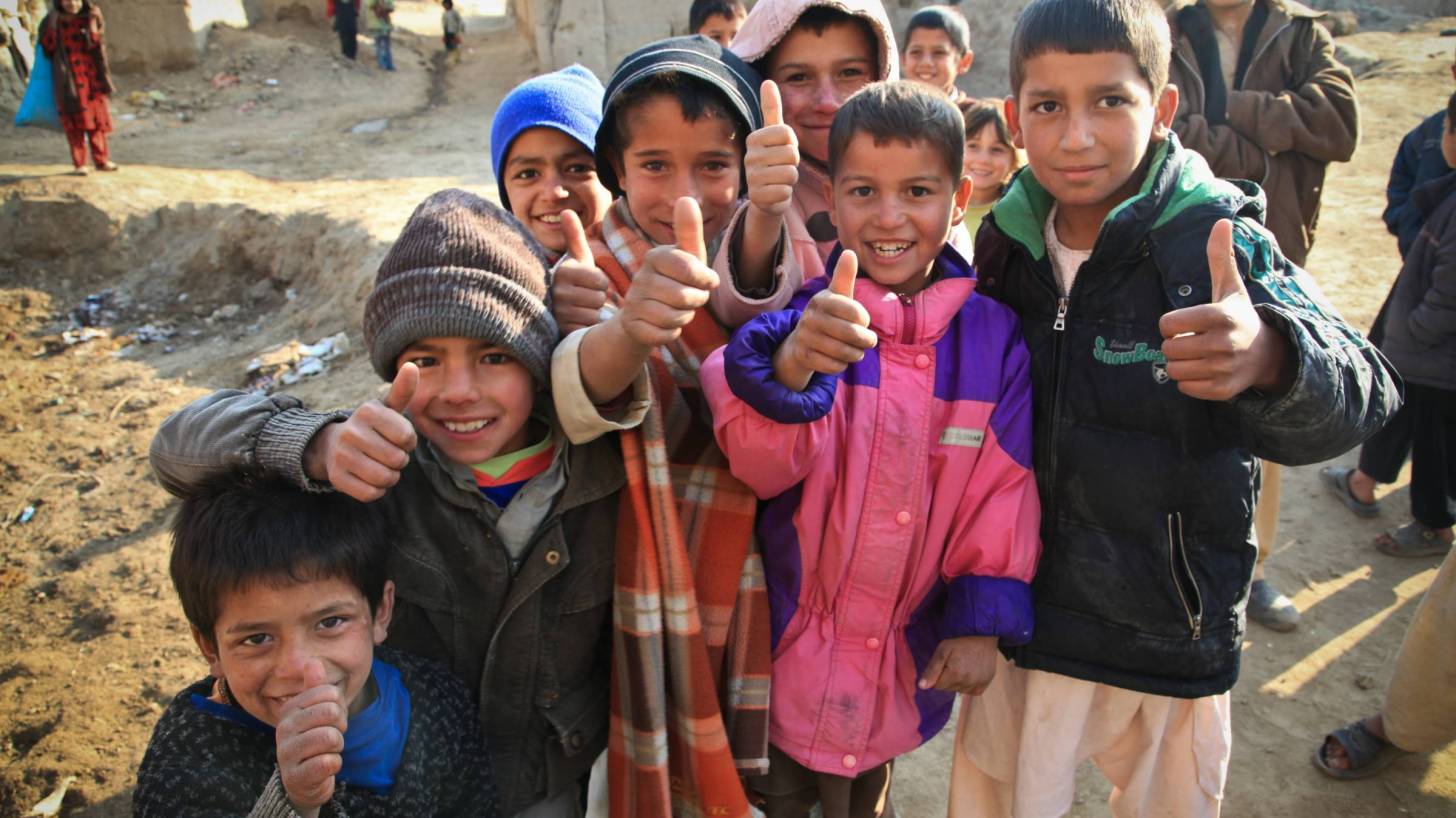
(1367, 753)
(1337, 480)
(1412, 540)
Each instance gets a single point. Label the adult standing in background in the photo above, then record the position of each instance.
(346, 23)
(1263, 98)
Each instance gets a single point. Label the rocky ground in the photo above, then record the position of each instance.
(258, 193)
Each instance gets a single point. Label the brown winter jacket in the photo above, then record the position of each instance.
(1294, 113)
(530, 640)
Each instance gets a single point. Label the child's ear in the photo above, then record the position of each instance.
(1013, 122)
(962, 199)
(383, 613)
(208, 646)
(1165, 110)
(965, 63)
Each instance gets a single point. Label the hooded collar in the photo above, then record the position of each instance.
(771, 20)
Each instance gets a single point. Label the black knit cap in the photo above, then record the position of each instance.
(696, 56)
(462, 268)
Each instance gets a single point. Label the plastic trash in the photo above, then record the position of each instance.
(38, 107)
(26, 515)
(50, 806)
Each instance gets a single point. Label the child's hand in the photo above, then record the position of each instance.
(672, 284)
(363, 456)
(579, 289)
(963, 665)
(832, 333)
(772, 162)
(1217, 350)
(310, 740)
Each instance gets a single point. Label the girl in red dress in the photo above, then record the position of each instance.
(72, 36)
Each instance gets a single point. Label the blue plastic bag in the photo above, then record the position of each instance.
(38, 108)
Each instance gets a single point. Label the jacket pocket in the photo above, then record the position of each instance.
(1182, 574)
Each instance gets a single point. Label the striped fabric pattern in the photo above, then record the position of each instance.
(690, 662)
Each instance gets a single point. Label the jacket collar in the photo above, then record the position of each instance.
(1430, 195)
(933, 307)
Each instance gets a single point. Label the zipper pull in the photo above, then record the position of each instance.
(1061, 322)
(1197, 627)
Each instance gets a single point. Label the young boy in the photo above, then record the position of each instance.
(718, 20)
(1171, 346)
(938, 49)
(541, 151)
(504, 554)
(382, 28)
(453, 26)
(818, 53)
(286, 595)
(1264, 98)
(865, 605)
(672, 145)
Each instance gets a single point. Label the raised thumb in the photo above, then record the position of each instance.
(687, 228)
(402, 391)
(771, 103)
(845, 271)
(313, 674)
(576, 244)
(1223, 269)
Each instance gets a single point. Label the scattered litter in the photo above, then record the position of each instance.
(151, 333)
(182, 296)
(81, 336)
(96, 310)
(271, 82)
(128, 117)
(290, 294)
(222, 80)
(292, 362)
(183, 116)
(224, 313)
(248, 107)
(50, 806)
(26, 515)
(370, 126)
(140, 99)
(157, 96)
(168, 349)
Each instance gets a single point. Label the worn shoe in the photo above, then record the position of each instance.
(1337, 480)
(1272, 609)
(1412, 540)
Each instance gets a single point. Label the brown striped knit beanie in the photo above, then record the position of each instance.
(462, 268)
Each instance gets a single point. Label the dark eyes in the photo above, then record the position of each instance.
(495, 358)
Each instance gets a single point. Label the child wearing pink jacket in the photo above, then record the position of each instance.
(886, 422)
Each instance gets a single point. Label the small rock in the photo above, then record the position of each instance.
(1365, 681)
(370, 126)
(227, 311)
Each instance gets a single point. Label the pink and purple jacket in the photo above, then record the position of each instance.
(901, 509)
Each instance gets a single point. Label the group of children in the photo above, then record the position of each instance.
(718, 453)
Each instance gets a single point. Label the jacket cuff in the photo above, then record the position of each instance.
(1305, 380)
(988, 606)
(284, 439)
(734, 306)
(748, 368)
(581, 420)
(274, 803)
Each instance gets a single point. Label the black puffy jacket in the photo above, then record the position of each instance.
(1148, 494)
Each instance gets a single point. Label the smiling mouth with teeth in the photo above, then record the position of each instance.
(889, 248)
(550, 218)
(463, 428)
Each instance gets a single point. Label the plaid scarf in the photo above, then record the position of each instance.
(690, 636)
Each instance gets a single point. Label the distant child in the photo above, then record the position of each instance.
(381, 29)
(886, 420)
(818, 52)
(454, 27)
(691, 681)
(73, 36)
(302, 715)
(505, 532)
(938, 49)
(541, 142)
(718, 20)
(1172, 345)
(346, 25)
(991, 158)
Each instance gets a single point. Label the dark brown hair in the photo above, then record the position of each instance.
(904, 111)
(1137, 28)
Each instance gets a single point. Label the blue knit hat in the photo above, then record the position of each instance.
(569, 100)
(695, 56)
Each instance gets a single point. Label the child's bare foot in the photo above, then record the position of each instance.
(1362, 487)
(1357, 750)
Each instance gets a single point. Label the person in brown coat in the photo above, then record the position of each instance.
(73, 37)
(1263, 98)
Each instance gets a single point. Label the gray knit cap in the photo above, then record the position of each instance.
(462, 268)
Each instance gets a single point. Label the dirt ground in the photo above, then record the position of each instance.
(251, 214)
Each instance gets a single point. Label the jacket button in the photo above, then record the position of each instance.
(575, 740)
(872, 643)
(922, 361)
(903, 518)
(1185, 290)
(849, 761)
(553, 556)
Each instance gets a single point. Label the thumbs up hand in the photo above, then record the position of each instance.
(832, 333)
(310, 741)
(579, 288)
(364, 455)
(673, 283)
(1217, 350)
(771, 163)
